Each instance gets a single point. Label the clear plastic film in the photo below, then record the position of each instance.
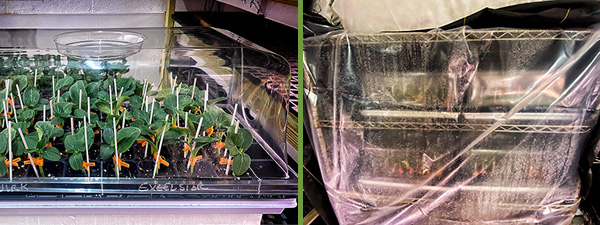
(358, 16)
(453, 127)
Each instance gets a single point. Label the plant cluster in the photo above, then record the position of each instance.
(79, 107)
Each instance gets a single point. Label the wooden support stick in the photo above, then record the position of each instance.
(162, 137)
(28, 154)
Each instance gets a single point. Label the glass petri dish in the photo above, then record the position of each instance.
(99, 45)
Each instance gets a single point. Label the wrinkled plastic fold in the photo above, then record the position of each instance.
(453, 127)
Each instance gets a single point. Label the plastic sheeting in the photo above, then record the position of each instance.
(453, 127)
(393, 15)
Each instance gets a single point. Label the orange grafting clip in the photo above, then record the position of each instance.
(224, 161)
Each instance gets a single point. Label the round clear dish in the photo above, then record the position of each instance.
(99, 45)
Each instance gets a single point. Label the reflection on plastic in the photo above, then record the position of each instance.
(460, 126)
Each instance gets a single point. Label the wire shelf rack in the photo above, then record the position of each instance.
(506, 128)
(459, 35)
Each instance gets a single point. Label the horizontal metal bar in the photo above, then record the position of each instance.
(23, 207)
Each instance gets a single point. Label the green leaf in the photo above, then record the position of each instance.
(3, 169)
(90, 135)
(127, 132)
(184, 101)
(159, 114)
(46, 127)
(205, 139)
(236, 139)
(135, 102)
(199, 96)
(79, 113)
(152, 93)
(213, 101)
(94, 117)
(162, 94)
(233, 151)
(22, 125)
(64, 82)
(31, 97)
(171, 102)
(92, 89)
(63, 109)
(106, 151)
(39, 133)
(4, 142)
(109, 136)
(56, 121)
(57, 132)
(170, 134)
(74, 93)
(74, 143)
(120, 101)
(51, 153)
(76, 161)
(141, 116)
(31, 140)
(104, 107)
(247, 137)
(128, 85)
(229, 142)
(26, 114)
(64, 97)
(103, 96)
(240, 164)
(21, 80)
(126, 137)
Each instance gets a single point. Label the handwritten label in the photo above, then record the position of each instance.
(169, 187)
(13, 187)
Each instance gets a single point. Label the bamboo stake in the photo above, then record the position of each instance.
(233, 114)
(205, 97)
(116, 148)
(58, 97)
(185, 138)
(144, 95)
(227, 169)
(194, 143)
(72, 127)
(150, 122)
(116, 89)
(6, 83)
(120, 92)
(152, 110)
(51, 110)
(19, 95)
(13, 107)
(80, 95)
(28, 154)
(52, 116)
(162, 136)
(110, 98)
(53, 88)
(87, 153)
(88, 110)
(44, 113)
(10, 154)
(177, 97)
(123, 123)
(35, 79)
(194, 88)
(185, 122)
